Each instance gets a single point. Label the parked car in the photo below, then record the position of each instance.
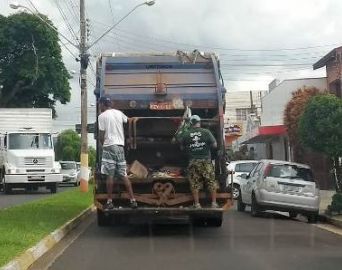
(281, 186)
(69, 172)
(78, 166)
(239, 167)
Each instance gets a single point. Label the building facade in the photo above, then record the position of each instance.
(270, 135)
(239, 105)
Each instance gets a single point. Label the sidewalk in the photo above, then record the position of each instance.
(326, 197)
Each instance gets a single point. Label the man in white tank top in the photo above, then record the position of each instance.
(112, 138)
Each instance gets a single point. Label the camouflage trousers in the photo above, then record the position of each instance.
(201, 172)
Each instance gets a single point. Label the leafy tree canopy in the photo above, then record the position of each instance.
(295, 108)
(320, 126)
(68, 147)
(32, 73)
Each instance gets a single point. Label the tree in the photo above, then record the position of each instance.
(68, 146)
(32, 73)
(320, 128)
(293, 111)
(92, 156)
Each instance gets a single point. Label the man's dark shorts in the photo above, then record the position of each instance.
(201, 172)
(113, 161)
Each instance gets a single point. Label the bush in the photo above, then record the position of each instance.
(336, 204)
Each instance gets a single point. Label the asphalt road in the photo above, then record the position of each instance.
(269, 242)
(19, 196)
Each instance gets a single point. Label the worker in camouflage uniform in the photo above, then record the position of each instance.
(198, 143)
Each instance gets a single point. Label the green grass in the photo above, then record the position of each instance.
(23, 226)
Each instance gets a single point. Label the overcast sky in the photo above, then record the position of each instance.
(257, 40)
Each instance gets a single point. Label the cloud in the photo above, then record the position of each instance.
(265, 26)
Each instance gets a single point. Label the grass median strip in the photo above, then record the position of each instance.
(23, 226)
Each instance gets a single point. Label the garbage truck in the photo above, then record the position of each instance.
(158, 92)
(27, 157)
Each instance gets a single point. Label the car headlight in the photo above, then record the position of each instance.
(11, 171)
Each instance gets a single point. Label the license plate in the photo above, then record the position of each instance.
(35, 178)
(161, 106)
(291, 189)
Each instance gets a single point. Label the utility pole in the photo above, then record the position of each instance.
(253, 109)
(84, 60)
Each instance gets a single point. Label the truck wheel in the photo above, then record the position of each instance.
(214, 222)
(53, 188)
(312, 217)
(292, 214)
(102, 219)
(240, 205)
(7, 188)
(2, 179)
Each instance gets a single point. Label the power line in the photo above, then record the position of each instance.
(65, 19)
(111, 10)
(222, 48)
(128, 41)
(223, 56)
(49, 24)
(65, 46)
(71, 8)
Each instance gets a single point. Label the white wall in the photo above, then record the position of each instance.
(278, 149)
(241, 99)
(274, 103)
(260, 150)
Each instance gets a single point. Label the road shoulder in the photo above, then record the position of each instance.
(27, 258)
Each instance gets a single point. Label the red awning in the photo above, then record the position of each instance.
(265, 133)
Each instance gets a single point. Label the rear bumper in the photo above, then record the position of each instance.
(147, 214)
(286, 202)
(31, 179)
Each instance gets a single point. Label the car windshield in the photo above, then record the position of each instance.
(68, 166)
(289, 172)
(245, 167)
(30, 141)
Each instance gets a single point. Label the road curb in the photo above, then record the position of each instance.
(333, 221)
(330, 220)
(28, 257)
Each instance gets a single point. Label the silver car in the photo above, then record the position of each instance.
(69, 172)
(238, 168)
(281, 186)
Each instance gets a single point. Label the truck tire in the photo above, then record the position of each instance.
(292, 214)
(214, 222)
(53, 188)
(2, 179)
(102, 219)
(312, 217)
(7, 188)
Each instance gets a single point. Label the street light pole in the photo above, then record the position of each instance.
(84, 60)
